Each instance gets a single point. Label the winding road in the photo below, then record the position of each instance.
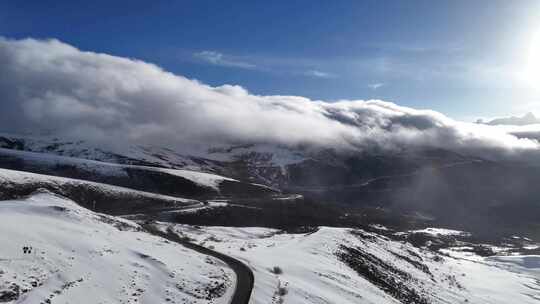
(244, 275)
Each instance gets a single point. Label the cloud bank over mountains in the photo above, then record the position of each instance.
(50, 85)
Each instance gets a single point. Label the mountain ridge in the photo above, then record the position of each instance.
(527, 119)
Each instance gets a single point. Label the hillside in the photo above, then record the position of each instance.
(78, 256)
(335, 265)
(452, 189)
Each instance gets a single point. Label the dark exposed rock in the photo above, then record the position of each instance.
(385, 276)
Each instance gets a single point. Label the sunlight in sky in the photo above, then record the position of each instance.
(532, 72)
(466, 59)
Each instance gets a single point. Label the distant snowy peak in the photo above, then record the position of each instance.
(253, 163)
(276, 166)
(527, 119)
(132, 155)
(441, 231)
(173, 182)
(208, 158)
(259, 154)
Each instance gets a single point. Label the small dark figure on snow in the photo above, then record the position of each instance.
(27, 250)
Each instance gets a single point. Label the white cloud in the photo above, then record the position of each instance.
(220, 59)
(52, 85)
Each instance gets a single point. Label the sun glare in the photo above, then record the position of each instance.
(533, 61)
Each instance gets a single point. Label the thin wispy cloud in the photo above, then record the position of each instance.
(319, 74)
(375, 86)
(217, 58)
(271, 65)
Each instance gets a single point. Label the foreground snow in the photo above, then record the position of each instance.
(83, 257)
(305, 268)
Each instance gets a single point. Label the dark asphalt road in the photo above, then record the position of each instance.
(244, 275)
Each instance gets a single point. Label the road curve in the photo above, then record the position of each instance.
(244, 275)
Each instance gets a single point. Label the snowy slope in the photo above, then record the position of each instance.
(197, 158)
(265, 162)
(81, 149)
(313, 268)
(203, 179)
(104, 197)
(83, 257)
(12, 178)
(112, 169)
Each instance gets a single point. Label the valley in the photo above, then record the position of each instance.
(306, 241)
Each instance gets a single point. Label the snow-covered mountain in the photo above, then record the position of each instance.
(378, 250)
(96, 196)
(454, 189)
(272, 165)
(264, 164)
(150, 177)
(148, 187)
(85, 257)
(206, 159)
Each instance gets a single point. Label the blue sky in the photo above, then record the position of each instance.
(466, 59)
